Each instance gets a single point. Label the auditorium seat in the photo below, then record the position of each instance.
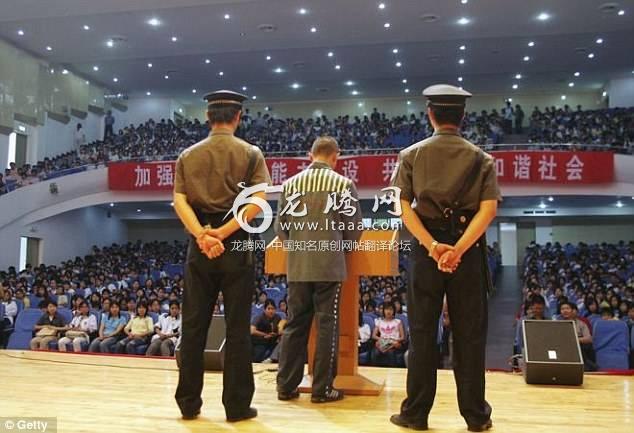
(154, 316)
(611, 344)
(23, 332)
(20, 305)
(66, 314)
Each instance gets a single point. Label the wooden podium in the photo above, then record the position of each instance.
(377, 261)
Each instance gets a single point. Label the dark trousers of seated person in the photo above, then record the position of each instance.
(391, 358)
(233, 273)
(262, 350)
(128, 345)
(305, 300)
(107, 345)
(589, 357)
(5, 326)
(163, 347)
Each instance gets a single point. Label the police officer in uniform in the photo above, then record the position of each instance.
(449, 196)
(207, 181)
(316, 269)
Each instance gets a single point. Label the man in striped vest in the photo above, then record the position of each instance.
(319, 217)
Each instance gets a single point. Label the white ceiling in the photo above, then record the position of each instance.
(496, 41)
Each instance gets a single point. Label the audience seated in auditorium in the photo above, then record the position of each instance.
(389, 337)
(138, 330)
(110, 330)
(48, 327)
(166, 332)
(79, 330)
(264, 332)
(164, 140)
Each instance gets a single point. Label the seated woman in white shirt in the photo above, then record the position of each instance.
(389, 336)
(167, 331)
(82, 325)
(10, 312)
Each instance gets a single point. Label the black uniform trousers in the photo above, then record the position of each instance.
(234, 274)
(467, 303)
(305, 300)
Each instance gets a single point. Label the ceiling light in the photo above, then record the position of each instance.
(354, 93)
(542, 205)
(409, 102)
(87, 82)
(395, 50)
(621, 12)
(65, 72)
(313, 29)
(194, 91)
(115, 79)
(591, 56)
(268, 58)
(605, 93)
(295, 85)
(349, 83)
(381, 6)
(464, 2)
(599, 41)
(207, 61)
(110, 43)
(95, 68)
(571, 84)
(254, 97)
(398, 64)
(154, 22)
(531, 44)
(337, 67)
(577, 74)
(244, 88)
(464, 21)
(619, 204)
(149, 65)
(404, 80)
(406, 90)
(278, 70)
(360, 104)
(463, 47)
(460, 79)
(526, 58)
(564, 97)
(518, 76)
(302, 11)
(221, 74)
(21, 32)
(49, 48)
(330, 54)
(461, 61)
(174, 39)
(551, 199)
(148, 93)
(227, 16)
(86, 27)
(138, 210)
(172, 204)
(515, 86)
(543, 16)
(167, 77)
(387, 25)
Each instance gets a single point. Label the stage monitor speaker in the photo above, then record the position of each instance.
(215, 347)
(552, 355)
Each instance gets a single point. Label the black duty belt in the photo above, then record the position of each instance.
(455, 222)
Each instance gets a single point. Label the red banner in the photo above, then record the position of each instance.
(513, 167)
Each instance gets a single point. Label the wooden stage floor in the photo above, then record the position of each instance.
(118, 394)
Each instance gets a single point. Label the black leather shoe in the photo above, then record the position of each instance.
(401, 421)
(330, 396)
(191, 416)
(286, 396)
(251, 413)
(483, 427)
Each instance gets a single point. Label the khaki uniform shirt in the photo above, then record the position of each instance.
(432, 172)
(209, 171)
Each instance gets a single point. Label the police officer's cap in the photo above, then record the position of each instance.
(444, 95)
(225, 97)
